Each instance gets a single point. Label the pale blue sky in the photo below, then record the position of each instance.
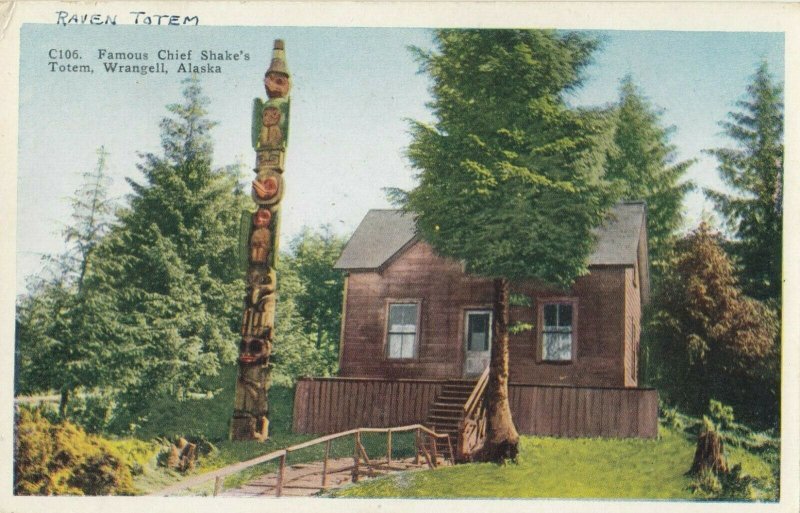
(353, 90)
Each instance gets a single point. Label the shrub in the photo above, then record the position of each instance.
(721, 414)
(62, 459)
(93, 413)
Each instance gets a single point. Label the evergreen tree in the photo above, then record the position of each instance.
(174, 259)
(510, 178)
(715, 342)
(643, 162)
(753, 169)
(63, 322)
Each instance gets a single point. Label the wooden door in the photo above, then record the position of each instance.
(477, 341)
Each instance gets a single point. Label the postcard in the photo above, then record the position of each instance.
(357, 255)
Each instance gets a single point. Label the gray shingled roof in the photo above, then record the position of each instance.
(378, 238)
(383, 233)
(618, 238)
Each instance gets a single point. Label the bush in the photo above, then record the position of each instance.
(93, 413)
(61, 459)
(721, 414)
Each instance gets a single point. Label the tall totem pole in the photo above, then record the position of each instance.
(270, 131)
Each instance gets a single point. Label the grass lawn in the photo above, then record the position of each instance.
(547, 467)
(567, 468)
(208, 417)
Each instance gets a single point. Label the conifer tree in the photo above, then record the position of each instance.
(510, 178)
(643, 162)
(753, 169)
(63, 323)
(174, 258)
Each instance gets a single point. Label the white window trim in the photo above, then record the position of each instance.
(387, 308)
(540, 304)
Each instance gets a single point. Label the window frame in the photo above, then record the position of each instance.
(540, 305)
(387, 333)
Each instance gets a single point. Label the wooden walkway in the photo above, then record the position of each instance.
(304, 479)
(311, 478)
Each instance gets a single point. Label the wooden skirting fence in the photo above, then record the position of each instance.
(328, 405)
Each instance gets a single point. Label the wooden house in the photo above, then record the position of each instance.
(411, 316)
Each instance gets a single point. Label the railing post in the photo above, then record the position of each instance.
(434, 442)
(389, 447)
(325, 464)
(417, 443)
(281, 470)
(218, 485)
(450, 446)
(356, 455)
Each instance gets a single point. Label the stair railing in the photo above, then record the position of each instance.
(472, 431)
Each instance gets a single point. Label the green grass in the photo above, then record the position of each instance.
(547, 468)
(208, 417)
(566, 468)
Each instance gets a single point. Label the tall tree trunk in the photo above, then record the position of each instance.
(502, 439)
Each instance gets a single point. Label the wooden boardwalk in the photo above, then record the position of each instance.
(304, 479)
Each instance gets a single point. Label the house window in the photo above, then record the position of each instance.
(479, 329)
(557, 331)
(402, 329)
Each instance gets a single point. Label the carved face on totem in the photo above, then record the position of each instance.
(262, 217)
(253, 351)
(258, 278)
(276, 84)
(266, 189)
(271, 116)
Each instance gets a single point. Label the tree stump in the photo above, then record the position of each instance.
(710, 454)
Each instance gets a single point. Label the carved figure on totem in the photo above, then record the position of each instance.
(267, 188)
(261, 238)
(277, 83)
(262, 217)
(270, 159)
(255, 350)
(276, 79)
(271, 135)
(260, 245)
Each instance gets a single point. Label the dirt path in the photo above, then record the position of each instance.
(305, 479)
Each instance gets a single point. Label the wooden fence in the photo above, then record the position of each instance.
(328, 405)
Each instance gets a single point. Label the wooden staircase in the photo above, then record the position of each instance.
(459, 411)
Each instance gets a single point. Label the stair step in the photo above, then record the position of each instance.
(446, 396)
(447, 405)
(459, 390)
(445, 421)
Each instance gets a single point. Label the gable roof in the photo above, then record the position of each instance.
(379, 237)
(618, 237)
(383, 234)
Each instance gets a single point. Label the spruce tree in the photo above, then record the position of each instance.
(175, 258)
(63, 323)
(510, 179)
(643, 162)
(753, 170)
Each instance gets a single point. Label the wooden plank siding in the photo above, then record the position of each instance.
(608, 316)
(329, 405)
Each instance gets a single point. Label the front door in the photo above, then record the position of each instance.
(477, 341)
